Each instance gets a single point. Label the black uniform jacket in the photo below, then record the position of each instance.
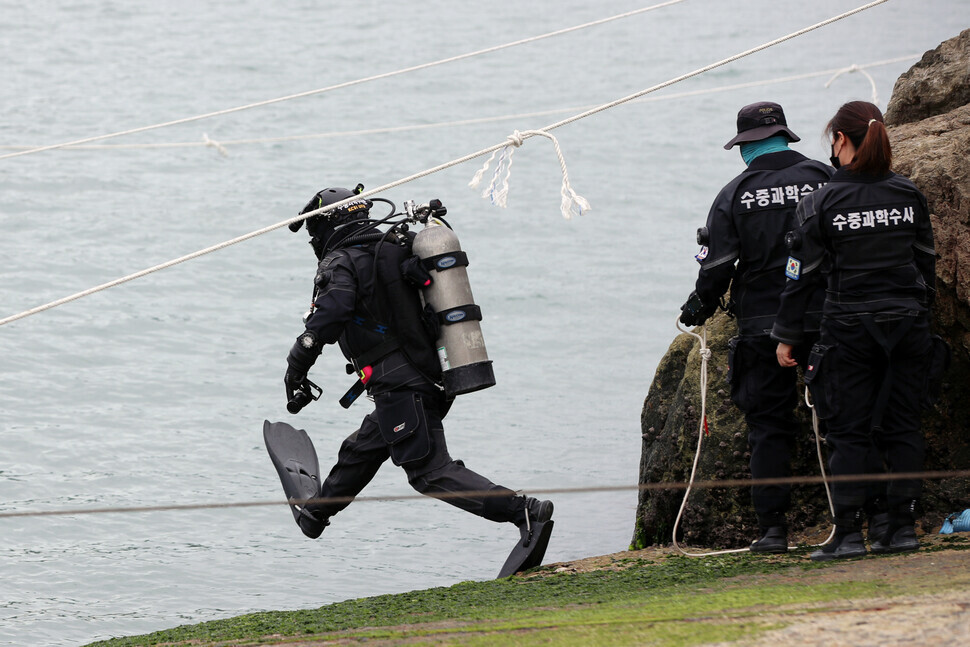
(747, 226)
(871, 237)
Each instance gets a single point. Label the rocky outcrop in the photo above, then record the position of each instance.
(929, 119)
(939, 83)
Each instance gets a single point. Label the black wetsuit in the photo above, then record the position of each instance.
(871, 238)
(353, 307)
(746, 250)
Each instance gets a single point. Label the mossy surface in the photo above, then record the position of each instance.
(672, 601)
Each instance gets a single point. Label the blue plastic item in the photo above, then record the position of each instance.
(956, 523)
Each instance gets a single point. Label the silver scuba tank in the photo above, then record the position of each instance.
(461, 347)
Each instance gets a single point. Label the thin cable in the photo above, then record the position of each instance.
(642, 487)
(347, 84)
(421, 174)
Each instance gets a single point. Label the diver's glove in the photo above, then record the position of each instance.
(293, 381)
(694, 312)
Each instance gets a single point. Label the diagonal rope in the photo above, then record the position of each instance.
(346, 84)
(479, 120)
(426, 172)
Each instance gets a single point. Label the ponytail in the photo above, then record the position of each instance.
(862, 123)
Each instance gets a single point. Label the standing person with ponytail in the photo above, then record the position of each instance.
(868, 231)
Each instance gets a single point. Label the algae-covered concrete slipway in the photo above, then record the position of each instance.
(648, 597)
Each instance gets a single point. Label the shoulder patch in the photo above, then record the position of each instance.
(793, 269)
(701, 255)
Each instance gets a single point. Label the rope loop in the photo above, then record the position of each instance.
(856, 68)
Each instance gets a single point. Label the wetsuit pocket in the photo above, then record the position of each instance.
(404, 426)
(822, 380)
(738, 361)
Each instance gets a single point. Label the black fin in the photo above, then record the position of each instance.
(530, 550)
(295, 460)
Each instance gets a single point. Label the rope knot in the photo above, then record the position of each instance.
(497, 190)
(214, 144)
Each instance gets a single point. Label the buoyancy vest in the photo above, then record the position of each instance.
(391, 315)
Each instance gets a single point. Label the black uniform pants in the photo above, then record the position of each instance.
(767, 394)
(854, 370)
(424, 458)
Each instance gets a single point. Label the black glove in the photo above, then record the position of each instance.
(293, 381)
(414, 273)
(694, 312)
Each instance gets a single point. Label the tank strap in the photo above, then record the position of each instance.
(458, 314)
(446, 261)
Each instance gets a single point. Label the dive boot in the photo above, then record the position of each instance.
(535, 527)
(774, 539)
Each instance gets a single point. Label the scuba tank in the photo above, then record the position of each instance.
(461, 348)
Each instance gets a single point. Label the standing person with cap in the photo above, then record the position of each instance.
(868, 233)
(743, 246)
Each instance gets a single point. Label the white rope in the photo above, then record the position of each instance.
(347, 84)
(464, 122)
(613, 104)
(821, 464)
(705, 353)
(497, 190)
(416, 176)
(215, 145)
(856, 68)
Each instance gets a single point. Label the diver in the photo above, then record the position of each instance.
(743, 246)
(367, 298)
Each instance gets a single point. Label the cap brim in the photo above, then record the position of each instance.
(759, 133)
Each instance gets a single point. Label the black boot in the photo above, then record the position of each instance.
(900, 534)
(847, 542)
(534, 519)
(877, 516)
(312, 524)
(533, 511)
(878, 526)
(774, 539)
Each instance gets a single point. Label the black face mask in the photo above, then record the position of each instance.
(836, 162)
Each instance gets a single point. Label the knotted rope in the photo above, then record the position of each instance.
(497, 190)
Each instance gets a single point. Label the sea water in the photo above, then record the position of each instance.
(153, 393)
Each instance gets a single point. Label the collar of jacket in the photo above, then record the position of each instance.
(775, 161)
(845, 174)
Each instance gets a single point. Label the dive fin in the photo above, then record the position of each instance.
(296, 463)
(530, 550)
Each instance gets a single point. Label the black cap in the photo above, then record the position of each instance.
(759, 121)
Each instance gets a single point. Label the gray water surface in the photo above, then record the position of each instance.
(154, 393)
